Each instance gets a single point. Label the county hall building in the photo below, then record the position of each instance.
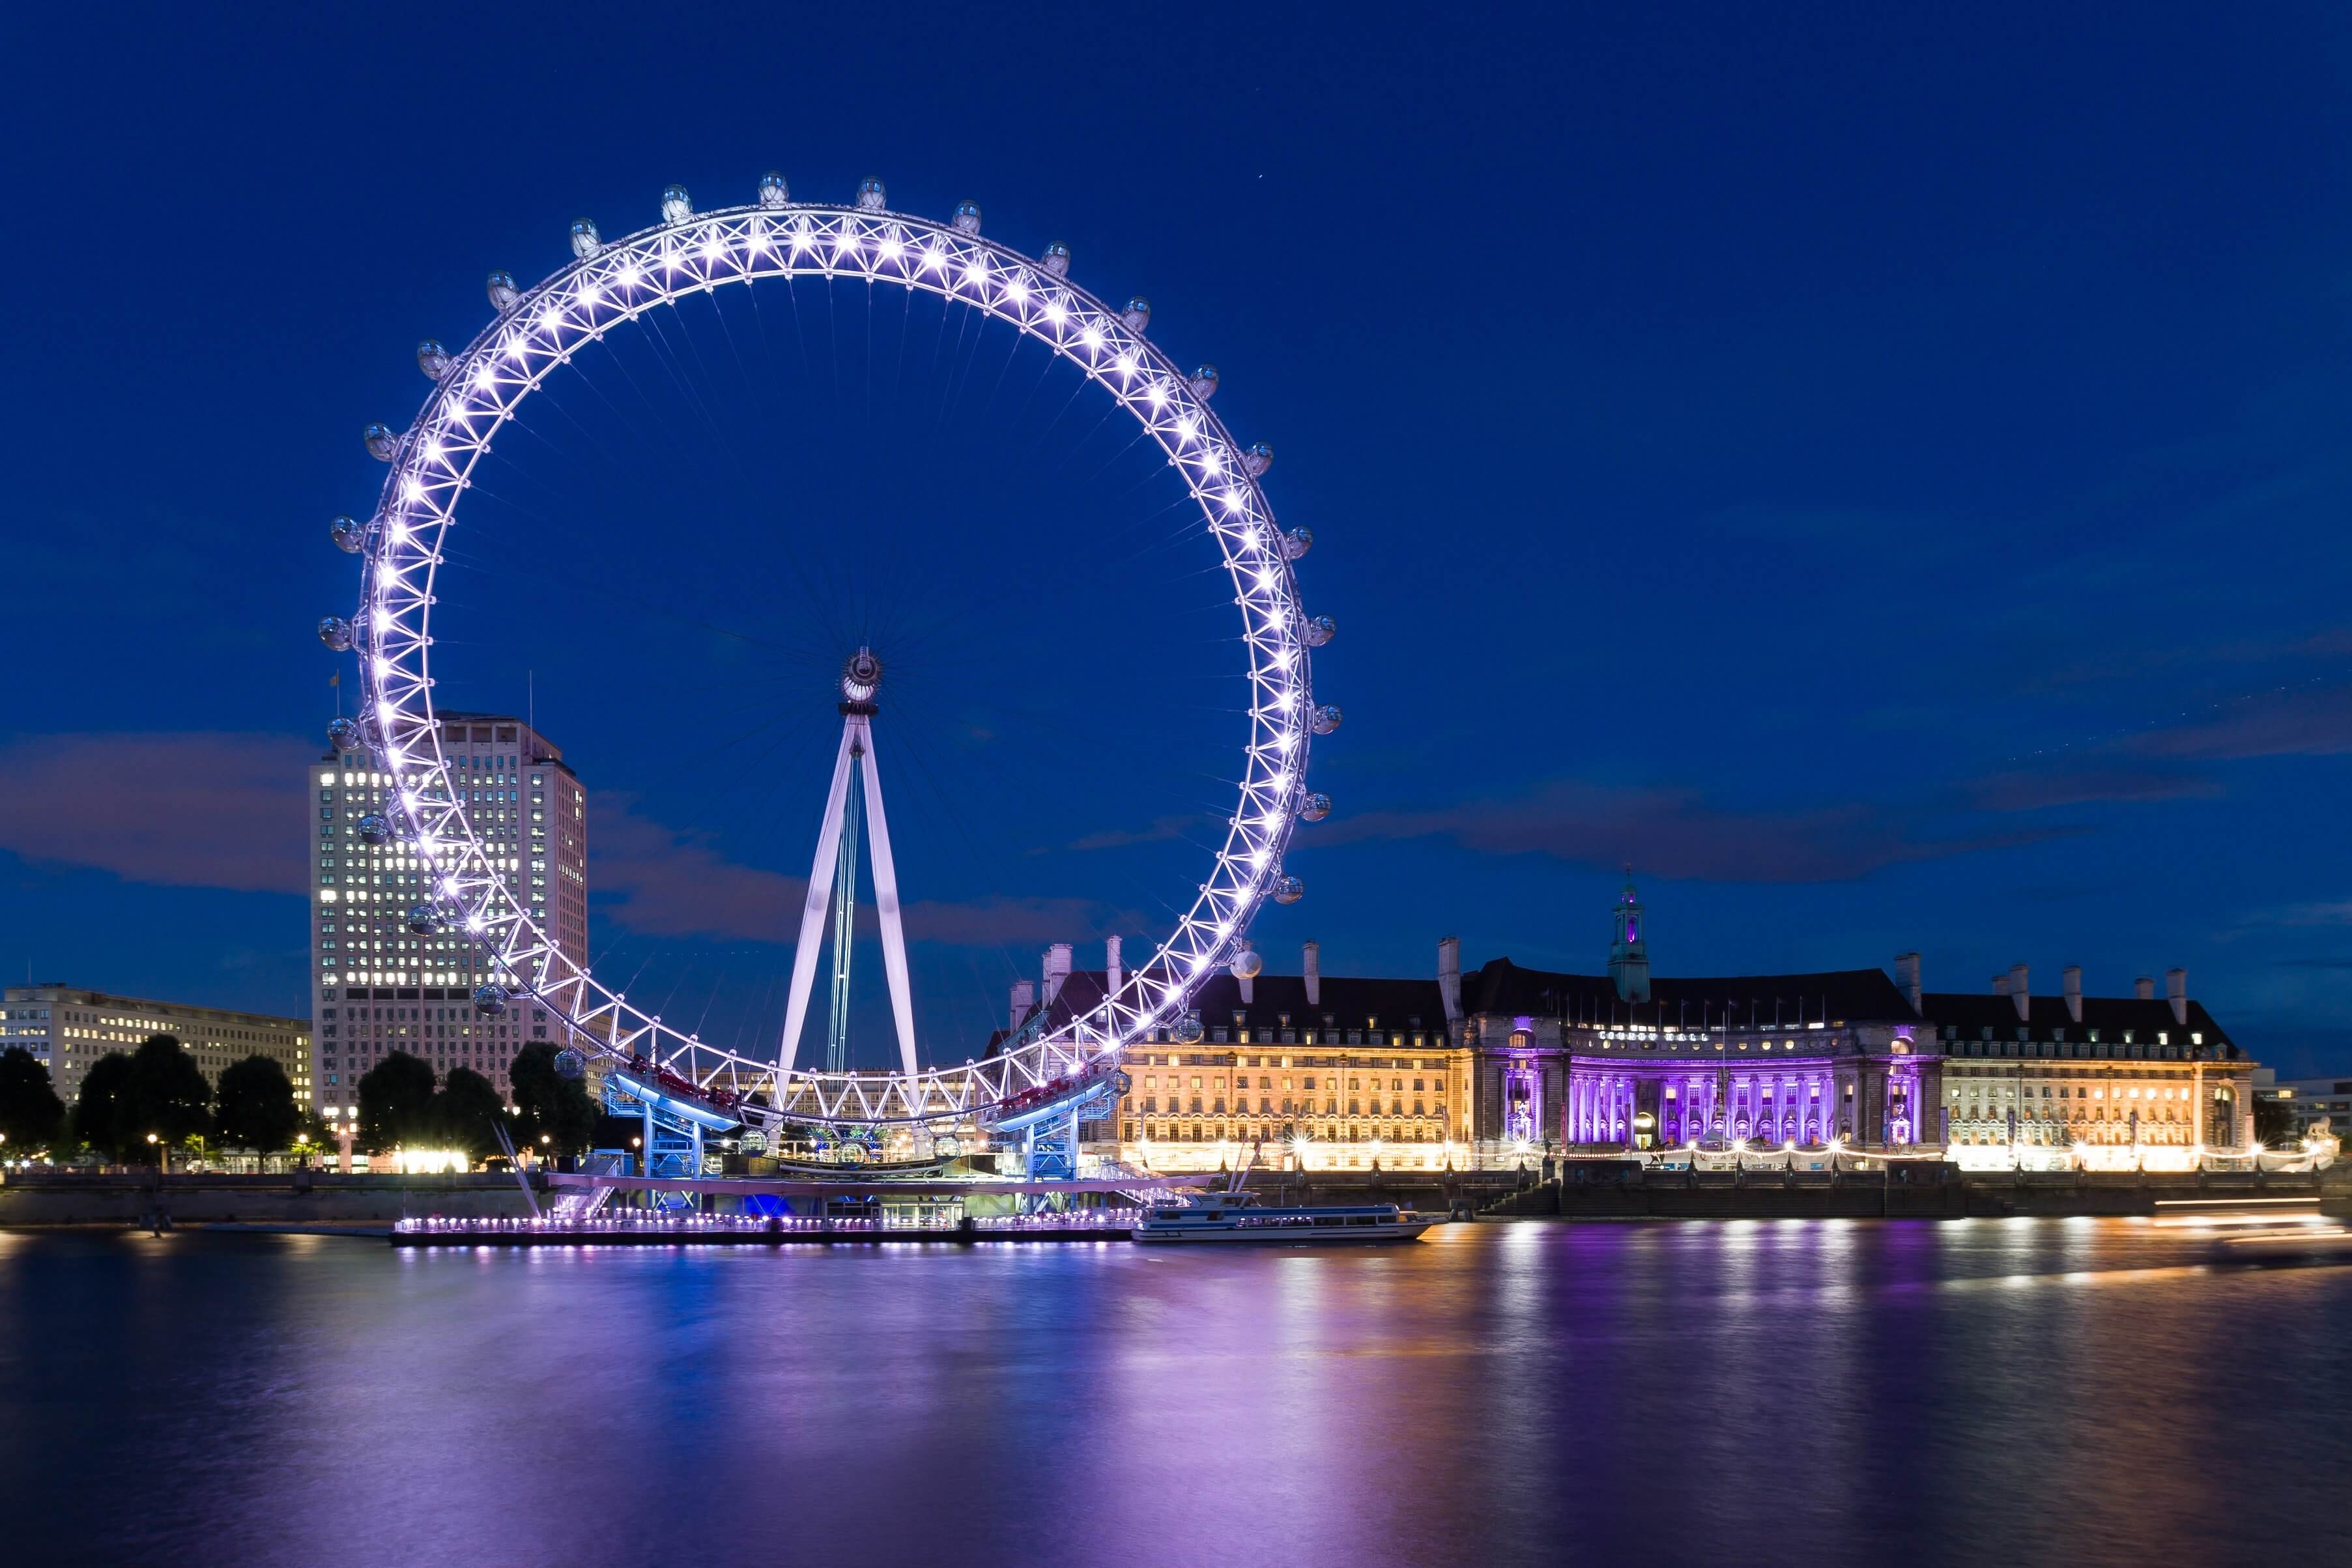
(1345, 1072)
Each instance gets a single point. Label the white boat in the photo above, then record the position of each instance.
(1236, 1217)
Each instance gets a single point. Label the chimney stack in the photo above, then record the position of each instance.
(2019, 993)
(1058, 969)
(2073, 977)
(1025, 998)
(2001, 985)
(1907, 976)
(1313, 972)
(2176, 991)
(1114, 973)
(2144, 988)
(1449, 976)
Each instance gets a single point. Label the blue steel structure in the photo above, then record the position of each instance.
(677, 1126)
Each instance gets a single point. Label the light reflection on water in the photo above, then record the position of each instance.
(1764, 1390)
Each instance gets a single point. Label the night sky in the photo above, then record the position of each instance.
(1879, 471)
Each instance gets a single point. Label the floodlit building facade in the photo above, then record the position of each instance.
(378, 987)
(1505, 1062)
(2140, 1079)
(1335, 1071)
(68, 1029)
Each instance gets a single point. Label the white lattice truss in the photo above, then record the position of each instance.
(482, 387)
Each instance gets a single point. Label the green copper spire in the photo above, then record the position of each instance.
(1629, 954)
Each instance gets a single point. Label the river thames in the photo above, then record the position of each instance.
(1789, 1391)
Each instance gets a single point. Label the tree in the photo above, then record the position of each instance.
(549, 1104)
(256, 1105)
(171, 1098)
(395, 1102)
(105, 1115)
(157, 1090)
(31, 1115)
(467, 1112)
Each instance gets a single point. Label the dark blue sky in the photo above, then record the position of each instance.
(1880, 473)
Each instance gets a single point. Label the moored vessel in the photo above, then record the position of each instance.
(1237, 1217)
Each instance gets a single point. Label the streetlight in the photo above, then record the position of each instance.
(162, 1155)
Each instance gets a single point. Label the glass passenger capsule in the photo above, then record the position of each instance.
(773, 191)
(1324, 719)
(1187, 1030)
(382, 440)
(1138, 314)
(490, 999)
(350, 534)
(1247, 964)
(372, 829)
(871, 196)
(344, 733)
(1203, 383)
(501, 287)
(1288, 890)
(676, 206)
(423, 920)
(1315, 807)
(336, 634)
(1057, 259)
(967, 217)
(432, 359)
(1258, 458)
(586, 241)
(1318, 630)
(1297, 542)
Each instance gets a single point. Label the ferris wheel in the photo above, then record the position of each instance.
(466, 890)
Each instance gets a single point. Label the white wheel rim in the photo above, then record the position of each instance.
(546, 327)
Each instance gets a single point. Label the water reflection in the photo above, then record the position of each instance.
(1832, 1391)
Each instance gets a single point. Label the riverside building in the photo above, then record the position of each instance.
(378, 987)
(1330, 1070)
(67, 1028)
(1505, 1062)
(1626, 1060)
(2120, 1082)
(2312, 1104)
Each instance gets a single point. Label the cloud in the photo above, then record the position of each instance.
(989, 922)
(1162, 829)
(2083, 784)
(1677, 832)
(2310, 720)
(660, 880)
(2336, 912)
(2173, 761)
(230, 809)
(178, 809)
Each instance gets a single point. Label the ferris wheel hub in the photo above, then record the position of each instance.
(861, 676)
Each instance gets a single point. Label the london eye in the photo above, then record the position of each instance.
(467, 888)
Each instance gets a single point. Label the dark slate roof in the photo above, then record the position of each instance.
(1350, 1002)
(1974, 1011)
(1835, 996)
